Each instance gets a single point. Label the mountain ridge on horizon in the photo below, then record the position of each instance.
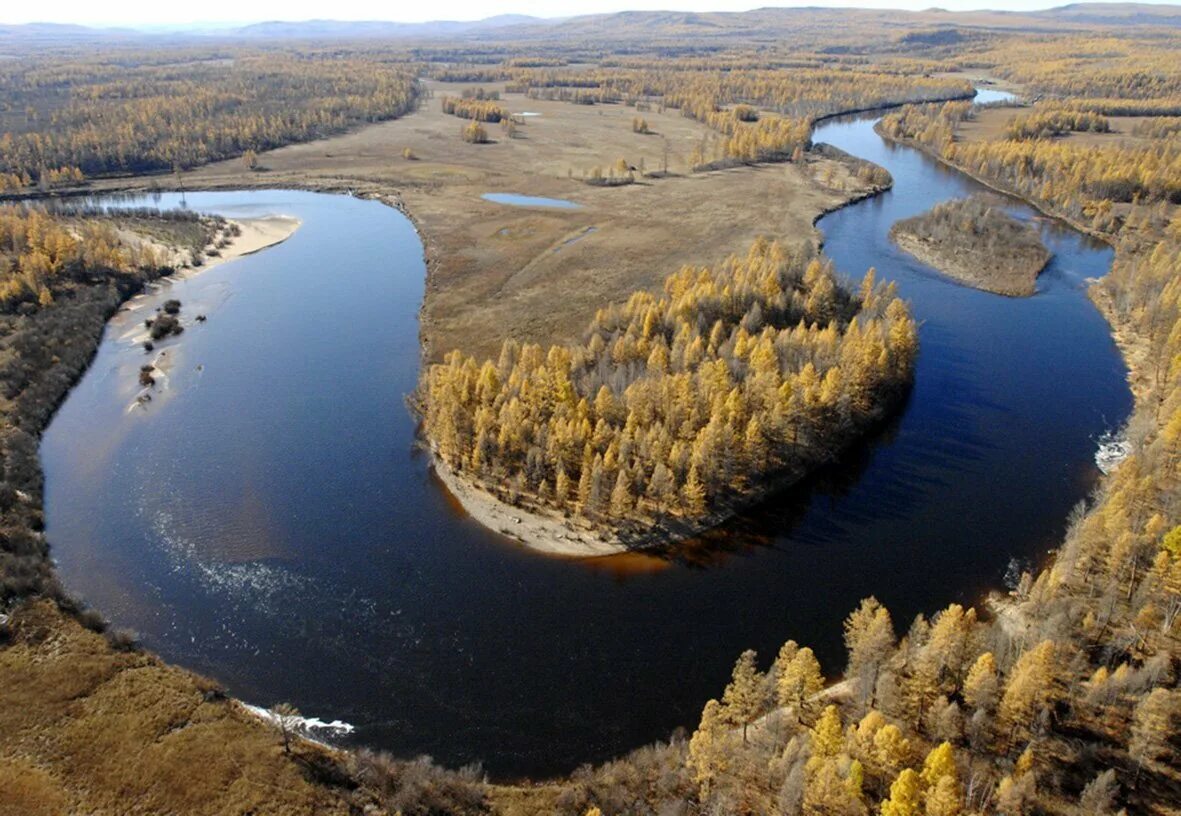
(508, 25)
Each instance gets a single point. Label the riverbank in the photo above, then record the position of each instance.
(237, 239)
(1134, 349)
(545, 533)
(255, 235)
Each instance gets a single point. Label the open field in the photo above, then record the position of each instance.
(497, 270)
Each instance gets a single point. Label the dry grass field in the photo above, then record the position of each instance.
(497, 269)
(88, 729)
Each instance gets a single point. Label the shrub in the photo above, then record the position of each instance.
(474, 133)
(165, 325)
(123, 640)
(420, 787)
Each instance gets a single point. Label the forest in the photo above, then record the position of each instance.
(65, 118)
(684, 404)
(1078, 179)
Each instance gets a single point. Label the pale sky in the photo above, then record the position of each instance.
(156, 13)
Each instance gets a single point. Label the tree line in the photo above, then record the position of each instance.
(475, 105)
(40, 251)
(679, 404)
(93, 115)
(1048, 121)
(1081, 180)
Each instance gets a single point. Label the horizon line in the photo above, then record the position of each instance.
(148, 27)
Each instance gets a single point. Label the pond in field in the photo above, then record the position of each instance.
(518, 200)
(267, 521)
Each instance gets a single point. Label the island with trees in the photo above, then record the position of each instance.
(976, 242)
(675, 410)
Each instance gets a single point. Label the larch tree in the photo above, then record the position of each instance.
(708, 748)
(799, 681)
(1029, 690)
(982, 684)
(869, 640)
(945, 798)
(940, 762)
(828, 737)
(905, 795)
(743, 698)
(1153, 726)
(892, 750)
(833, 787)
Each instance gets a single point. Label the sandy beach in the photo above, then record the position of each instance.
(548, 534)
(256, 234)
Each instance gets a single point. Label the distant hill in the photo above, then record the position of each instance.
(639, 27)
(33, 35)
(367, 29)
(1115, 14)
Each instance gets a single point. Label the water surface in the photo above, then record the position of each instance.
(518, 200)
(270, 524)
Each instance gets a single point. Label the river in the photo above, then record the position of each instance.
(266, 521)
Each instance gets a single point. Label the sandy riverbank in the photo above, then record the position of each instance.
(256, 235)
(548, 534)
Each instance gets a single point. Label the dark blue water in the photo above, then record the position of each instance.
(266, 520)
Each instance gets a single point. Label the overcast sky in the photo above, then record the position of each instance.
(154, 12)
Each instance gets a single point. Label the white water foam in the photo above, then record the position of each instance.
(1114, 448)
(309, 727)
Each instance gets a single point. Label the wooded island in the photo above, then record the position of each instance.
(976, 242)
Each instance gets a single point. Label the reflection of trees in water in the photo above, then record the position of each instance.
(775, 518)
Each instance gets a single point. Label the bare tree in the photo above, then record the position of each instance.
(285, 718)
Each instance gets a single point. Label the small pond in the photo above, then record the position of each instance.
(518, 200)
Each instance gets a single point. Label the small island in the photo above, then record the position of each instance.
(976, 242)
(676, 410)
